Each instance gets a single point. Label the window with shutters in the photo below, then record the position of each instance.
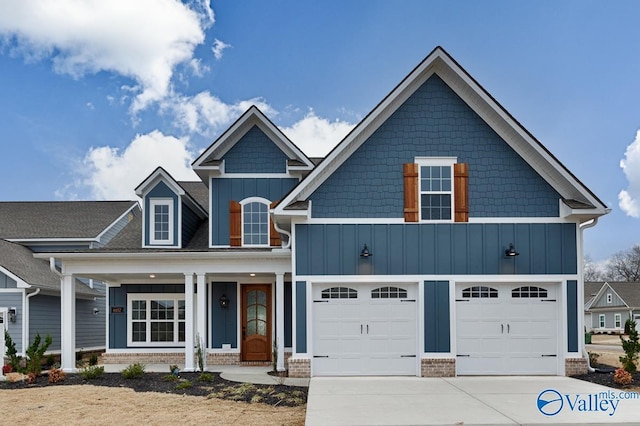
(255, 222)
(436, 189)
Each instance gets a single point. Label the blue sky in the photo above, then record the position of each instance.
(94, 95)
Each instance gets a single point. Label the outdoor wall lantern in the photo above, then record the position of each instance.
(95, 311)
(511, 251)
(224, 301)
(12, 314)
(365, 252)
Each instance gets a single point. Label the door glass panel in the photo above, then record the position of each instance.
(251, 328)
(251, 313)
(262, 313)
(262, 297)
(251, 298)
(262, 328)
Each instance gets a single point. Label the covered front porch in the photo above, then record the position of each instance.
(163, 307)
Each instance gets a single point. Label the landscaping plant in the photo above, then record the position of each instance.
(199, 353)
(92, 372)
(622, 377)
(12, 353)
(93, 359)
(35, 352)
(631, 347)
(134, 371)
(56, 376)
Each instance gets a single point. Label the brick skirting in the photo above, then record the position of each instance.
(223, 358)
(144, 358)
(437, 367)
(299, 368)
(575, 366)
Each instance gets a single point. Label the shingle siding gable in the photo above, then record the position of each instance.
(255, 153)
(434, 122)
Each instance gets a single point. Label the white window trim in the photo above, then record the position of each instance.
(255, 200)
(152, 223)
(148, 297)
(609, 298)
(617, 320)
(442, 162)
(5, 320)
(602, 321)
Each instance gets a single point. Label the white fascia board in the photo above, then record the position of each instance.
(51, 240)
(126, 212)
(20, 283)
(178, 255)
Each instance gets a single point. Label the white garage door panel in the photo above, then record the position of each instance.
(364, 336)
(505, 334)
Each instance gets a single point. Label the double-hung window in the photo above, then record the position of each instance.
(436, 189)
(618, 320)
(156, 319)
(161, 221)
(255, 222)
(601, 321)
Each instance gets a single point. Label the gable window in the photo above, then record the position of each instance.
(609, 298)
(161, 221)
(601, 321)
(156, 319)
(255, 222)
(436, 188)
(618, 320)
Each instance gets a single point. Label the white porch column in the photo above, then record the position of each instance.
(188, 324)
(68, 323)
(201, 313)
(2, 348)
(280, 320)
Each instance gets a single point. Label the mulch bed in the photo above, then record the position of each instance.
(217, 387)
(604, 376)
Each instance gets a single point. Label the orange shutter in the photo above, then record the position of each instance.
(461, 188)
(411, 192)
(274, 236)
(235, 224)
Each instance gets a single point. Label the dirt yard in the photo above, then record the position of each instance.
(96, 405)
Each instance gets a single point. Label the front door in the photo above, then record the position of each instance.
(256, 323)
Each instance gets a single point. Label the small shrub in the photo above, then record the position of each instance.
(35, 351)
(31, 377)
(622, 377)
(205, 377)
(7, 369)
(593, 358)
(255, 399)
(50, 360)
(93, 359)
(92, 372)
(170, 378)
(184, 385)
(627, 326)
(133, 371)
(631, 348)
(56, 376)
(15, 360)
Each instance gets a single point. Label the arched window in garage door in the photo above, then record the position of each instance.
(389, 293)
(529, 292)
(483, 292)
(339, 293)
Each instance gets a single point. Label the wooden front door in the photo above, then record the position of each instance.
(256, 322)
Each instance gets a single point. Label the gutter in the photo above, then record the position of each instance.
(586, 225)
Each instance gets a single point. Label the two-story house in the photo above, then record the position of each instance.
(439, 238)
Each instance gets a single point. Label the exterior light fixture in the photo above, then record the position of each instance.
(252, 275)
(511, 251)
(12, 314)
(95, 311)
(365, 252)
(223, 301)
(152, 275)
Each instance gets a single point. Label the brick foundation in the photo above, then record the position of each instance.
(144, 358)
(299, 368)
(437, 367)
(223, 358)
(575, 366)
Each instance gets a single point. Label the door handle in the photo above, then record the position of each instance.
(502, 328)
(367, 328)
(244, 333)
(360, 328)
(508, 328)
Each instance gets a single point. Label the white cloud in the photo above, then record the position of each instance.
(629, 199)
(142, 39)
(316, 136)
(112, 174)
(218, 47)
(207, 114)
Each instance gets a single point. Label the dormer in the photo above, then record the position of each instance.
(248, 169)
(170, 216)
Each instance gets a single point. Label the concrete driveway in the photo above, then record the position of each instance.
(465, 401)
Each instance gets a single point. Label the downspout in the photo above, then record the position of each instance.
(26, 316)
(282, 231)
(586, 225)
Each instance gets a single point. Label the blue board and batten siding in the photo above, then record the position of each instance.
(255, 153)
(436, 317)
(237, 189)
(224, 322)
(301, 317)
(573, 307)
(161, 190)
(435, 249)
(434, 122)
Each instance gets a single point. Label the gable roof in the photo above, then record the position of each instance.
(211, 159)
(161, 175)
(628, 292)
(580, 202)
(82, 220)
(591, 290)
(18, 262)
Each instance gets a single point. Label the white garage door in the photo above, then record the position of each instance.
(364, 329)
(506, 329)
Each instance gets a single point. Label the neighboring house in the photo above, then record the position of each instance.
(30, 288)
(438, 238)
(590, 291)
(612, 304)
